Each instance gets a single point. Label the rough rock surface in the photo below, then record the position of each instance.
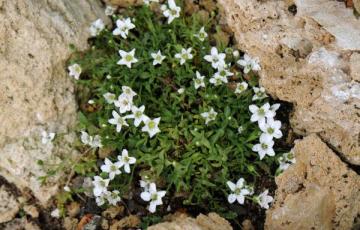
(36, 92)
(202, 222)
(8, 205)
(305, 47)
(20, 224)
(318, 192)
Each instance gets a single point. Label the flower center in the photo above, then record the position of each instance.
(121, 121)
(270, 130)
(173, 12)
(138, 114)
(77, 69)
(151, 124)
(264, 146)
(113, 168)
(128, 58)
(154, 196)
(237, 191)
(261, 112)
(126, 159)
(184, 56)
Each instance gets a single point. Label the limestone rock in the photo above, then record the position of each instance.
(31, 210)
(318, 192)
(304, 47)
(36, 92)
(9, 207)
(131, 221)
(20, 224)
(202, 222)
(357, 5)
(355, 66)
(124, 3)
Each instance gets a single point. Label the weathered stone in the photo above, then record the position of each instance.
(9, 207)
(124, 3)
(355, 66)
(318, 192)
(181, 221)
(131, 221)
(73, 209)
(70, 223)
(357, 5)
(113, 212)
(31, 210)
(20, 224)
(304, 50)
(36, 92)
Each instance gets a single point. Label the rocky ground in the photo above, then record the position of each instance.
(310, 56)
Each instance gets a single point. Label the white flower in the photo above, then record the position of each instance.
(240, 129)
(154, 196)
(216, 59)
(109, 97)
(147, 2)
(275, 107)
(171, 11)
(100, 185)
(259, 114)
(271, 128)
(124, 103)
(241, 87)
(224, 72)
(128, 92)
(67, 189)
(96, 27)
(118, 121)
(202, 35)
(199, 81)
(286, 160)
(75, 71)
(55, 213)
(100, 200)
(96, 142)
(92, 141)
(91, 102)
(264, 199)
(236, 53)
(265, 147)
(158, 58)
(108, 77)
(111, 168)
(217, 80)
(259, 93)
(209, 116)
(184, 55)
(113, 197)
(138, 115)
(181, 90)
(127, 58)
(151, 126)
(47, 137)
(109, 10)
(145, 184)
(249, 63)
(126, 161)
(123, 27)
(239, 191)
